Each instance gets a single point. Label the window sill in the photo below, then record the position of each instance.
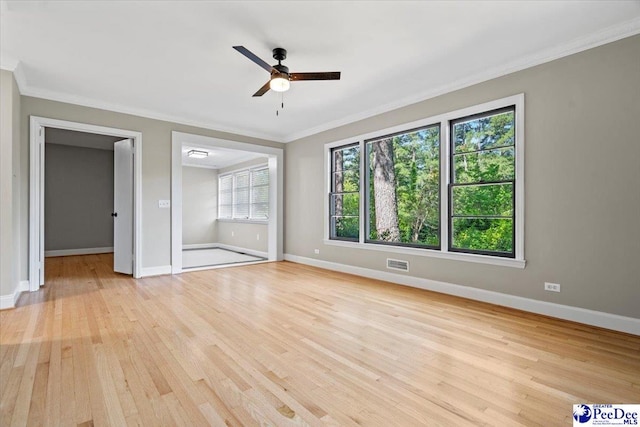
(243, 221)
(432, 253)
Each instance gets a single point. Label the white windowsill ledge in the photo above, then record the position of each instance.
(456, 256)
(243, 221)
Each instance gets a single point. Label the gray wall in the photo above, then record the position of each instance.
(243, 235)
(9, 184)
(78, 197)
(582, 184)
(156, 169)
(199, 205)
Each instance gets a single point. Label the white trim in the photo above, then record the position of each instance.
(9, 301)
(36, 193)
(444, 121)
(141, 112)
(81, 251)
(223, 246)
(275, 234)
(244, 250)
(200, 246)
(243, 221)
(601, 319)
(215, 267)
(159, 270)
(10, 64)
(608, 35)
(431, 253)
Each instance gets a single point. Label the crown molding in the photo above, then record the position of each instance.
(15, 66)
(607, 35)
(140, 112)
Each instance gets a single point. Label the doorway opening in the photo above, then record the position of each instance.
(127, 187)
(226, 203)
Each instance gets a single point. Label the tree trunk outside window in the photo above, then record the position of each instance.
(384, 188)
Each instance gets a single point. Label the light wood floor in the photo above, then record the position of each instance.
(285, 344)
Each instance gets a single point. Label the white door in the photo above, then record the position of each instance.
(123, 207)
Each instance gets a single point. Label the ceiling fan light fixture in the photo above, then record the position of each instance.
(197, 154)
(279, 82)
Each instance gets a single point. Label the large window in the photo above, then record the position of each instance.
(244, 195)
(482, 213)
(344, 197)
(450, 186)
(403, 188)
(259, 194)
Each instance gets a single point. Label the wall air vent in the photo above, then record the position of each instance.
(397, 264)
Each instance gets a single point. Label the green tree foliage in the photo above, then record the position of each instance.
(484, 158)
(345, 204)
(417, 180)
(482, 191)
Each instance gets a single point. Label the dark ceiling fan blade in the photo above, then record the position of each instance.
(264, 89)
(315, 76)
(246, 52)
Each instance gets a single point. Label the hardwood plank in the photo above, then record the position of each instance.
(287, 344)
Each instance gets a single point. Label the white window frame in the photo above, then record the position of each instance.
(445, 147)
(220, 204)
(252, 186)
(234, 174)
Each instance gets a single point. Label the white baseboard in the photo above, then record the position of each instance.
(243, 250)
(155, 271)
(82, 251)
(200, 246)
(576, 314)
(9, 301)
(228, 247)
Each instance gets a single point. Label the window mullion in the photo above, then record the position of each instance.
(364, 217)
(445, 180)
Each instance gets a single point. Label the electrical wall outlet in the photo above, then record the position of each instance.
(316, 251)
(164, 203)
(552, 287)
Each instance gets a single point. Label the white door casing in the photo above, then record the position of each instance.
(35, 259)
(275, 235)
(123, 206)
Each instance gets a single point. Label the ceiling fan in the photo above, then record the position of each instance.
(280, 75)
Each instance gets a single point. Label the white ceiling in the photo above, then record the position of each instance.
(218, 157)
(174, 60)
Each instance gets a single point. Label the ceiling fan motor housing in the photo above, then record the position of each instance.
(283, 69)
(279, 54)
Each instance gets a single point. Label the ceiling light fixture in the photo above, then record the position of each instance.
(197, 154)
(279, 82)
